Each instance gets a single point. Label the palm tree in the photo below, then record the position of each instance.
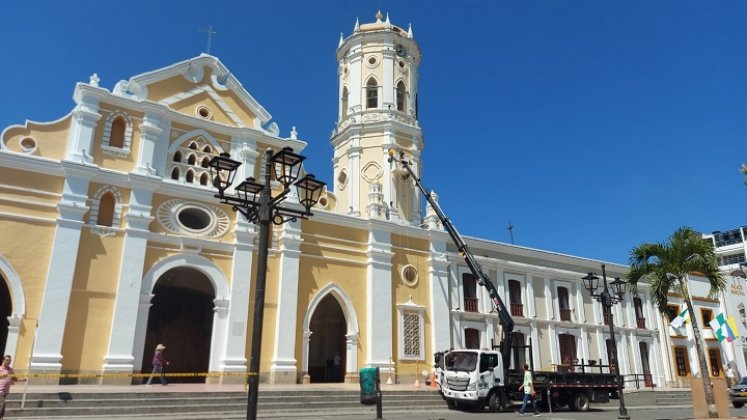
(667, 266)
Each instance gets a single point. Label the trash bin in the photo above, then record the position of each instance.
(369, 381)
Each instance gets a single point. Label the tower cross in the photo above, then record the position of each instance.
(510, 230)
(210, 34)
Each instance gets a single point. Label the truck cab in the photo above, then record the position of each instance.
(473, 377)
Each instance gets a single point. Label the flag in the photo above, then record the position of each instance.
(733, 325)
(680, 319)
(721, 328)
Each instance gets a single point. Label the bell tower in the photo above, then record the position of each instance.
(378, 98)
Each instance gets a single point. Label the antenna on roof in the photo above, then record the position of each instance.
(510, 230)
(210, 34)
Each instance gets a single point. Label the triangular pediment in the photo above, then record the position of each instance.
(200, 87)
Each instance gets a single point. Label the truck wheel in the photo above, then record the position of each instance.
(737, 404)
(495, 402)
(580, 402)
(451, 404)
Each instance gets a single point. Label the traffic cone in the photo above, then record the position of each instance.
(433, 380)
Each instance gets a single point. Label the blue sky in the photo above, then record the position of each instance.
(592, 126)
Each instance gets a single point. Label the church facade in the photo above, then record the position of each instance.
(112, 242)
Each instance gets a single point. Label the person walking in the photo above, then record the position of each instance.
(529, 394)
(159, 361)
(7, 377)
(730, 382)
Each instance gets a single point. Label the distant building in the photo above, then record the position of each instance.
(111, 241)
(731, 247)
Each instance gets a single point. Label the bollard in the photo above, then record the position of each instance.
(417, 376)
(378, 396)
(433, 380)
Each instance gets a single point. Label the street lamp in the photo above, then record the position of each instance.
(256, 203)
(608, 299)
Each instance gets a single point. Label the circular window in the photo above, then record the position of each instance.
(194, 218)
(204, 112)
(409, 275)
(372, 61)
(401, 64)
(323, 202)
(342, 180)
(28, 145)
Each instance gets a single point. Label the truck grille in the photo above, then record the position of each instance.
(457, 384)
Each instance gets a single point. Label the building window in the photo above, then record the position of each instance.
(401, 97)
(117, 137)
(514, 298)
(680, 361)
(411, 330)
(707, 316)
(470, 292)
(106, 208)
(645, 364)
(372, 94)
(729, 237)
(639, 319)
(672, 312)
(192, 159)
(567, 343)
(714, 359)
(563, 305)
(731, 259)
(519, 350)
(471, 338)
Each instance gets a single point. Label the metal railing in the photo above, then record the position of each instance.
(639, 379)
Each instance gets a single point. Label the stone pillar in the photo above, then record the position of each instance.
(218, 340)
(47, 356)
(143, 307)
(284, 369)
(14, 327)
(305, 378)
(351, 359)
(379, 299)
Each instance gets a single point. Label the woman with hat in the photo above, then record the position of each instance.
(158, 363)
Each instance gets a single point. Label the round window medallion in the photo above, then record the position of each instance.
(204, 112)
(190, 218)
(402, 64)
(409, 275)
(194, 218)
(28, 145)
(372, 61)
(323, 202)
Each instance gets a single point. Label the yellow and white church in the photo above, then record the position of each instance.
(111, 242)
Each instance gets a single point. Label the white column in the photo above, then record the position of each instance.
(120, 356)
(354, 172)
(585, 353)
(536, 344)
(284, 369)
(455, 335)
(305, 357)
(388, 82)
(529, 282)
(351, 357)
(143, 307)
(580, 307)
(356, 83)
(82, 127)
(234, 359)
(218, 339)
(438, 277)
(72, 207)
(14, 327)
(379, 299)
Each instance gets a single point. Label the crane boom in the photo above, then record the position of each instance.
(504, 316)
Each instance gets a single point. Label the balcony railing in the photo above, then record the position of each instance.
(517, 309)
(470, 304)
(641, 322)
(565, 314)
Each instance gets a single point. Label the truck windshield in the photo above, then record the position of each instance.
(461, 360)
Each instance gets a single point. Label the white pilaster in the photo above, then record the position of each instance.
(14, 327)
(284, 368)
(154, 130)
(379, 299)
(438, 276)
(72, 207)
(388, 83)
(234, 359)
(549, 299)
(85, 117)
(354, 168)
(531, 304)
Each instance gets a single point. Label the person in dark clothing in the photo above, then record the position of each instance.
(159, 361)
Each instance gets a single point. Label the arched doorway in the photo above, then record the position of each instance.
(181, 318)
(6, 309)
(327, 342)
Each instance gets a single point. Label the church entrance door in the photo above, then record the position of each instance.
(327, 342)
(181, 318)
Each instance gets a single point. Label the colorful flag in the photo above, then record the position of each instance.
(721, 328)
(680, 319)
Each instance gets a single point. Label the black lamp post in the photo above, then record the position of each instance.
(609, 299)
(262, 210)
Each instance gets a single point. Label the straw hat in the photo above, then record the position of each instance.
(160, 347)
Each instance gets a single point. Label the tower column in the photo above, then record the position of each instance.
(379, 299)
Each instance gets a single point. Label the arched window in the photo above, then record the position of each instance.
(192, 159)
(205, 162)
(193, 146)
(177, 156)
(514, 296)
(372, 94)
(344, 105)
(106, 209)
(207, 149)
(190, 176)
(204, 179)
(401, 97)
(175, 174)
(117, 138)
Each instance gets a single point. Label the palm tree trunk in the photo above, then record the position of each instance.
(710, 401)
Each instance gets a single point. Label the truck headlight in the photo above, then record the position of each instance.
(472, 386)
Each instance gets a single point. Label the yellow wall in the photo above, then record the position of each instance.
(51, 138)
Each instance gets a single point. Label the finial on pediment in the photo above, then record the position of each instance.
(294, 133)
(94, 80)
(379, 16)
(357, 27)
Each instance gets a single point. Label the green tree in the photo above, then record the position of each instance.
(668, 266)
